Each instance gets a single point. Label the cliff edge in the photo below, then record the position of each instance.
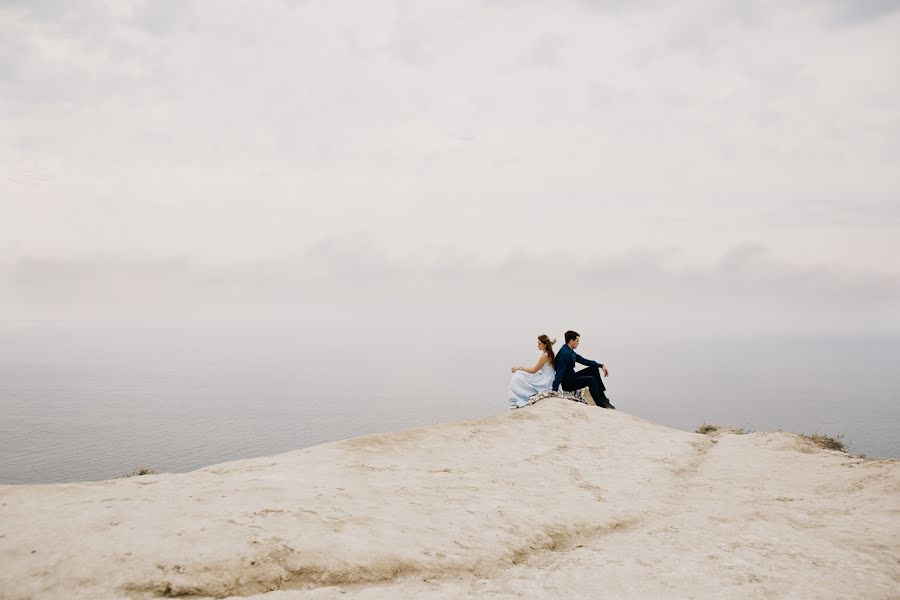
(555, 500)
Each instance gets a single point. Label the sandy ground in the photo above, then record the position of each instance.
(556, 500)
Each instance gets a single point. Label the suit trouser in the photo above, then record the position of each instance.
(587, 378)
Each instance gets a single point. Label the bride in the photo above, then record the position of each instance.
(526, 382)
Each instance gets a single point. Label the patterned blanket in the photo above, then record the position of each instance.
(576, 396)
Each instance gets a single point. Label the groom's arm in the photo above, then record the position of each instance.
(560, 369)
(584, 361)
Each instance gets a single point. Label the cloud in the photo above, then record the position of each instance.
(545, 52)
(741, 257)
(632, 149)
(356, 273)
(857, 12)
(47, 10)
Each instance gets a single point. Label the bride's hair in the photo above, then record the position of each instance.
(548, 346)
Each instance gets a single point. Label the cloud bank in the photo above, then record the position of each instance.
(710, 158)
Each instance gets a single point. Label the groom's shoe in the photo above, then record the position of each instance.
(608, 405)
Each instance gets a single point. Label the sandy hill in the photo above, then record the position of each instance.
(557, 500)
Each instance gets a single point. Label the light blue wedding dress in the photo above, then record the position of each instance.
(524, 385)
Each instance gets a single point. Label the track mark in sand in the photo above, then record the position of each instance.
(562, 539)
(286, 568)
(595, 490)
(268, 511)
(703, 448)
(523, 415)
(551, 454)
(371, 468)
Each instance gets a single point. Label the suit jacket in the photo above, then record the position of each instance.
(565, 365)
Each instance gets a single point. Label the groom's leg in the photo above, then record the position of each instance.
(592, 372)
(576, 383)
(599, 397)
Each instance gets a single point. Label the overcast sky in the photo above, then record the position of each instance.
(679, 159)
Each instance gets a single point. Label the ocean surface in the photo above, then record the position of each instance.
(80, 401)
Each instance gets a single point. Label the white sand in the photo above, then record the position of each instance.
(557, 500)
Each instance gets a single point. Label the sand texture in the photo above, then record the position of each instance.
(556, 500)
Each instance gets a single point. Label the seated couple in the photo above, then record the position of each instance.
(551, 371)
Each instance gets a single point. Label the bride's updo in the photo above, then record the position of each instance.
(548, 346)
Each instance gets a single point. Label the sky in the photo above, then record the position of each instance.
(698, 166)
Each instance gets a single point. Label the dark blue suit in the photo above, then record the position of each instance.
(572, 380)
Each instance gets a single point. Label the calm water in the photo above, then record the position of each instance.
(82, 402)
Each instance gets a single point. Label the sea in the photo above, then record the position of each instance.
(82, 400)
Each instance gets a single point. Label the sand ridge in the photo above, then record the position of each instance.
(557, 499)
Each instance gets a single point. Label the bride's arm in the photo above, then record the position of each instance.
(535, 368)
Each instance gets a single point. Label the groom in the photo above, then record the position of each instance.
(585, 378)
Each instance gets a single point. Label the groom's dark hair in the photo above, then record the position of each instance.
(571, 335)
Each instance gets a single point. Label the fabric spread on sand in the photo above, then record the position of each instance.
(576, 396)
